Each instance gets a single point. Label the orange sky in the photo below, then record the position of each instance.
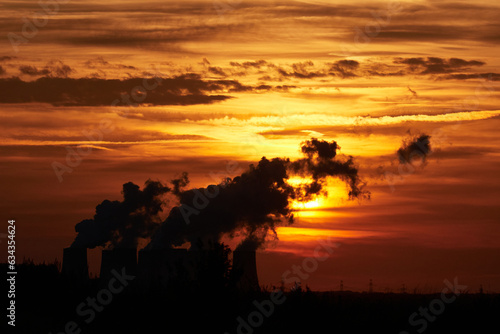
(252, 79)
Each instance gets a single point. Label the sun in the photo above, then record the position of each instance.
(334, 196)
(314, 204)
(297, 181)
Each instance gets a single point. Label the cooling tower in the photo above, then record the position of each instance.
(199, 262)
(245, 269)
(159, 266)
(75, 266)
(117, 259)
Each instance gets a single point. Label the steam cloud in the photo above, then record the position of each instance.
(121, 224)
(320, 163)
(256, 202)
(251, 205)
(413, 148)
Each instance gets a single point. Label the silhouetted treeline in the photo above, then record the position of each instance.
(46, 303)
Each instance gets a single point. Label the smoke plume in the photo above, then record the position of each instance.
(251, 205)
(122, 223)
(417, 147)
(256, 202)
(251, 202)
(319, 164)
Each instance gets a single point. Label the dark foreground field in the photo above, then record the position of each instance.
(46, 303)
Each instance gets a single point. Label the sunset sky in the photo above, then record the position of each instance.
(246, 79)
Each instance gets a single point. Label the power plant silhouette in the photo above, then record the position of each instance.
(75, 267)
(252, 205)
(156, 268)
(245, 263)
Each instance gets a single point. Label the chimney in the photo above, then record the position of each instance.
(75, 266)
(245, 269)
(117, 259)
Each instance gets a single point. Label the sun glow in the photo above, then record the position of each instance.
(314, 204)
(307, 234)
(334, 196)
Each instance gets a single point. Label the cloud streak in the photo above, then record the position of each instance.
(188, 89)
(334, 120)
